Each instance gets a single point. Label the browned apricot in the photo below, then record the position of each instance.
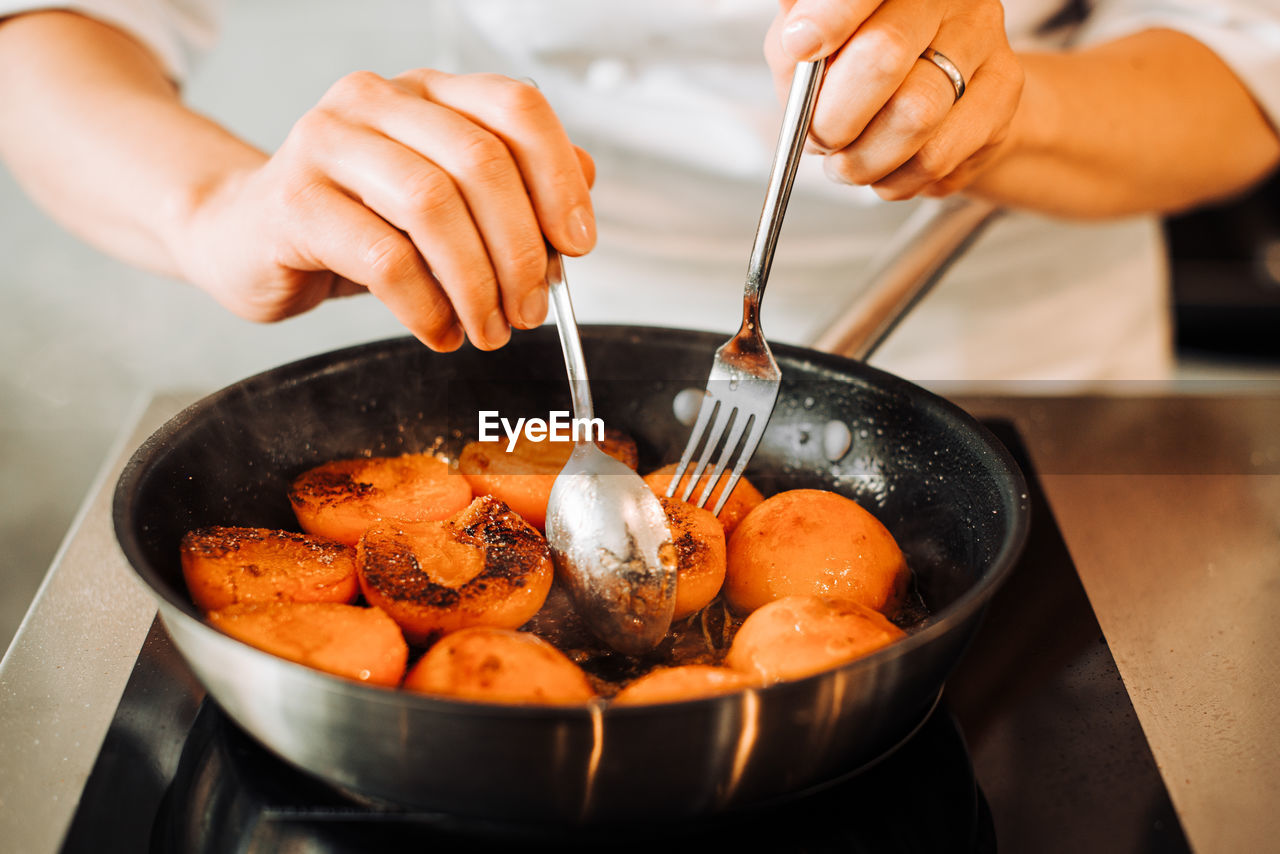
(741, 501)
(359, 643)
(700, 555)
(344, 498)
(802, 635)
(522, 478)
(687, 682)
(484, 567)
(499, 666)
(230, 565)
(810, 541)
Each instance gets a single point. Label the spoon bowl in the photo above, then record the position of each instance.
(612, 546)
(608, 533)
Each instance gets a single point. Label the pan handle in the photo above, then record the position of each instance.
(921, 251)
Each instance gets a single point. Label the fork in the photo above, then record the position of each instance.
(744, 381)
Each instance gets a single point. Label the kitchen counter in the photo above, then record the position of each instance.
(1169, 504)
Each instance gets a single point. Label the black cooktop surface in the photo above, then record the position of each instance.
(1035, 747)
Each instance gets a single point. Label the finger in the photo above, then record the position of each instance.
(588, 165)
(549, 164)
(490, 183)
(867, 72)
(341, 287)
(969, 134)
(328, 230)
(421, 200)
(812, 29)
(901, 127)
(488, 272)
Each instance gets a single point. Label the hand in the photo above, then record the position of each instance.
(430, 190)
(887, 118)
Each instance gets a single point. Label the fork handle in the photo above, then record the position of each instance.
(786, 158)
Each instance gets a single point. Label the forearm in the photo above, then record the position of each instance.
(1152, 122)
(97, 135)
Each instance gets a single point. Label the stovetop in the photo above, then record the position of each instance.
(1035, 746)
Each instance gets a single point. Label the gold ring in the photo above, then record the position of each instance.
(948, 68)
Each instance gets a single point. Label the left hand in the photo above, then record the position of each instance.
(884, 116)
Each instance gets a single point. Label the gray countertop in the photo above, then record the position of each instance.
(1169, 504)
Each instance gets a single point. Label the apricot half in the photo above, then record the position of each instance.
(522, 477)
(484, 567)
(225, 565)
(359, 643)
(499, 666)
(700, 555)
(801, 635)
(810, 541)
(687, 682)
(741, 501)
(344, 498)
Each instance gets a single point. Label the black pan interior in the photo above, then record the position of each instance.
(945, 488)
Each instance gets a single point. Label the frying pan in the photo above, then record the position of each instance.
(945, 487)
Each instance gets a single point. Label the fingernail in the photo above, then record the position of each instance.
(496, 330)
(582, 230)
(801, 39)
(533, 308)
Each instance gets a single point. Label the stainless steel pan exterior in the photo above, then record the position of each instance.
(949, 492)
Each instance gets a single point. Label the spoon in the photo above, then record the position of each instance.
(607, 530)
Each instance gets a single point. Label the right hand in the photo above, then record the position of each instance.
(430, 190)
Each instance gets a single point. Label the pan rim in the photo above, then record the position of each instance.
(971, 600)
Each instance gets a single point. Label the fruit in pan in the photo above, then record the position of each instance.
(687, 682)
(522, 477)
(485, 566)
(499, 666)
(700, 554)
(810, 541)
(484, 571)
(344, 498)
(741, 501)
(359, 643)
(798, 636)
(232, 565)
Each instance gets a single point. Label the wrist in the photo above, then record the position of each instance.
(1032, 130)
(191, 220)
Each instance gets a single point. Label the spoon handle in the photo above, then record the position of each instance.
(575, 364)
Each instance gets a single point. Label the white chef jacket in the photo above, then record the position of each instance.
(675, 102)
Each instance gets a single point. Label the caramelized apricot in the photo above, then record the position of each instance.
(344, 498)
(741, 501)
(359, 643)
(231, 565)
(484, 567)
(801, 635)
(522, 478)
(810, 541)
(700, 554)
(688, 682)
(499, 666)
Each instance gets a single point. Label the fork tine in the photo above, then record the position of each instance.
(754, 435)
(752, 374)
(705, 410)
(741, 419)
(714, 434)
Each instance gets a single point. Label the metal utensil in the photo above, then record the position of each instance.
(743, 385)
(608, 532)
(947, 489)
